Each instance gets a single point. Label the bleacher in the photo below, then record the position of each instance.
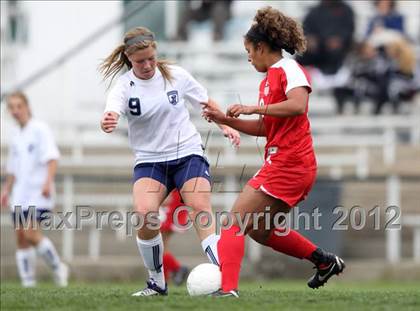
(359, 152)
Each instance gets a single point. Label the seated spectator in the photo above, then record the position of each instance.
(370, 76)
(218, 11)
(384, 71)
(385, 67)
(386, 17)
(329, 29)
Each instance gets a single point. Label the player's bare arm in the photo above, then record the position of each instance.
(295, 104)
(227, 131)
(109, 121)
(47, 187)
(6, 189)
(250, 127)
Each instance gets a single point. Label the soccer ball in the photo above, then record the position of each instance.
(204, 279)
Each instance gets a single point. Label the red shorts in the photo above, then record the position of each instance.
(167, 214)
(289, 184)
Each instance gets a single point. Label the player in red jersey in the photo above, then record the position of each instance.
(167, 214)
(289, 169)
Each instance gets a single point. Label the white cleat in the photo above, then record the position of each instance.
(28, 283)
(61, 275)
(152, 290)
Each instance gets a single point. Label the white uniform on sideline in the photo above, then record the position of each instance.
(30, 150)
(159, 126)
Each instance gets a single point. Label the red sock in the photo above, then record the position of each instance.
(292, 243)
(231, 251)
(170, 264)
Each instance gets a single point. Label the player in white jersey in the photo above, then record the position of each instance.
(168, 151)
(30, 172)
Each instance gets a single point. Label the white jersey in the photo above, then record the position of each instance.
(30, 149)
(159, 126)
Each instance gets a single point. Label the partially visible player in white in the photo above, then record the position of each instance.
(168, 150)
(30, 172)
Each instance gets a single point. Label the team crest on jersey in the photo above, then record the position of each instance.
(173, 97)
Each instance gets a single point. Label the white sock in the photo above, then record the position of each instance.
(47, 251)
(152, 254)
(209, 246)
(25, 261)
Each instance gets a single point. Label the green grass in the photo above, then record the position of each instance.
(258, 295)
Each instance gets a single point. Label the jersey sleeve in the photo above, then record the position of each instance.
(295, 76)
(117, 98)
(48, 147)
(194, 92)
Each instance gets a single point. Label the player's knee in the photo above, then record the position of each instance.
(200, 207)
(21, 240)
(33, 237)
(201, 213)
(260, 235)
(143, 209)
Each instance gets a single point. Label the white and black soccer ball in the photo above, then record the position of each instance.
(204, 279)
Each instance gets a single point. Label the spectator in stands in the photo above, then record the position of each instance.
(370, 71)
(329, 28)
(384, 72)
(384, 69)
(30, 173)
(218, 11)
(386, 17)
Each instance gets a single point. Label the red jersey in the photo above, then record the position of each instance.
(288, 138)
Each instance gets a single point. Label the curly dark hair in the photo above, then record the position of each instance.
(277, 30)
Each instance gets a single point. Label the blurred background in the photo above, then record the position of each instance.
(363, 57)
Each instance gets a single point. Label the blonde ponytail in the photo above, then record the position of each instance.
(115, 62)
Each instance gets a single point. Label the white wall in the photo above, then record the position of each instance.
(54, 27)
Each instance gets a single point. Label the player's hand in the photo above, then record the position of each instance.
(212, 113)
(233, 136)
(4, 199)
(109, 122)
(235, 111)
(46, 190)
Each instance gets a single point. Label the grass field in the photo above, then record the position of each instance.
(264, 296)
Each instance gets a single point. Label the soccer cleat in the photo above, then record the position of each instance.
(61, 275)
(221, 293)
(152, 289)
(329, 265)
(180, 276)
(29, 283)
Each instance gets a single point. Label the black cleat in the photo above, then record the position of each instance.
(180, 276)
(221, 293)
(329, 265)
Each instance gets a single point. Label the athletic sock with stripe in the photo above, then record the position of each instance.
(152, 254)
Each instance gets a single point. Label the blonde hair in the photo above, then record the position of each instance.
(401, 51)
(116, 61)
(21, 96)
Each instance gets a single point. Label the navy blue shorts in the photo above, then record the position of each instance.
(39, 213)
(173, 174)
